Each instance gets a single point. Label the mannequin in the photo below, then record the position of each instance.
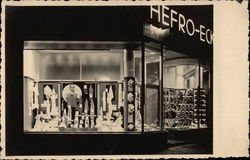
(54, 109)
(72, 101)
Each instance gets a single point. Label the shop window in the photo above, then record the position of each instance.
(74, 91)
(185, 95)
(59, 65)
(102, 65)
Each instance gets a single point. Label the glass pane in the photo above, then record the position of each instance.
(30, 64)
(59, 65)
(152, 92)
(102, 65)
(180, 81)
(137, 60)
(74, 106)
(204, 97)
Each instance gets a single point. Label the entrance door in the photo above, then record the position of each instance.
(152, 66)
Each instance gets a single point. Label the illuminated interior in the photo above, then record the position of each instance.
(100, 90)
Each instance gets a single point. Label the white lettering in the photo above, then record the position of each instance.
(165, 16)
(187, 28)
(210, 35)
(182, 22)
(157, 11)
(202, 33)
(172, 17)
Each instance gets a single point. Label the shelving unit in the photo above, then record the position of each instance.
(182, 110)
(200, 107)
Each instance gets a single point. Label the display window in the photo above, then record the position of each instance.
(73, 90)
(114, 90)
(186, 92)
(82, 90)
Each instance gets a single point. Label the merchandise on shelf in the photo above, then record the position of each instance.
(201, 107)
(76, 109)
(181, 108)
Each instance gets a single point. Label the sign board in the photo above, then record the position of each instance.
(166, 17)
(130, 95)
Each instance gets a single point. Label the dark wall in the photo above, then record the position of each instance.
(60, 23)
(191, 45)
(77, 23)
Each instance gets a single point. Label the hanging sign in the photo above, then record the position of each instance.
(165, 17)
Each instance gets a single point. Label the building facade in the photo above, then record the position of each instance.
(98, 76)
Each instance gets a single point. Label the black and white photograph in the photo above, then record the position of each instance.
(110, 79)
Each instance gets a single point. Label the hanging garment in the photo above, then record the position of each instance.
(85, 89)
(92, 109)
(109, 101)
(101, 114)
(72, 99)
(91, 90)
(36, 94)
(30, 96)
(80, 105)
(47, 91)
(86, 107)
(110, 95)
(53, 97)
(104, 100)
(120, 96)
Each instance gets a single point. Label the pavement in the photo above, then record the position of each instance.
(188, 142)
(186, 147)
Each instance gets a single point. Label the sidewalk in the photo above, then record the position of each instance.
(186, 147)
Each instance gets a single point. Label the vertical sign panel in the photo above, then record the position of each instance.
(130, 98)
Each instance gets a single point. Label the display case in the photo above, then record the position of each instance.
(184, 98)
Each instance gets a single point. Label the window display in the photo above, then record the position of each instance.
(96, 98)
(185, 102)
(88, 103)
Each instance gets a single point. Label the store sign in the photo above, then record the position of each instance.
(169, 18)
(130, 83)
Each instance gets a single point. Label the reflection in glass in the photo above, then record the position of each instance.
(152, 103)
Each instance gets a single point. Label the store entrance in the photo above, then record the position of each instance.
(152, 111)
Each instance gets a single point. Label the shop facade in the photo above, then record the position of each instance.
(115, 76)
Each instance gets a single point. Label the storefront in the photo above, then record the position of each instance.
(113, 77)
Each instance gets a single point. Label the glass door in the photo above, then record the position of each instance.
(152, 67)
